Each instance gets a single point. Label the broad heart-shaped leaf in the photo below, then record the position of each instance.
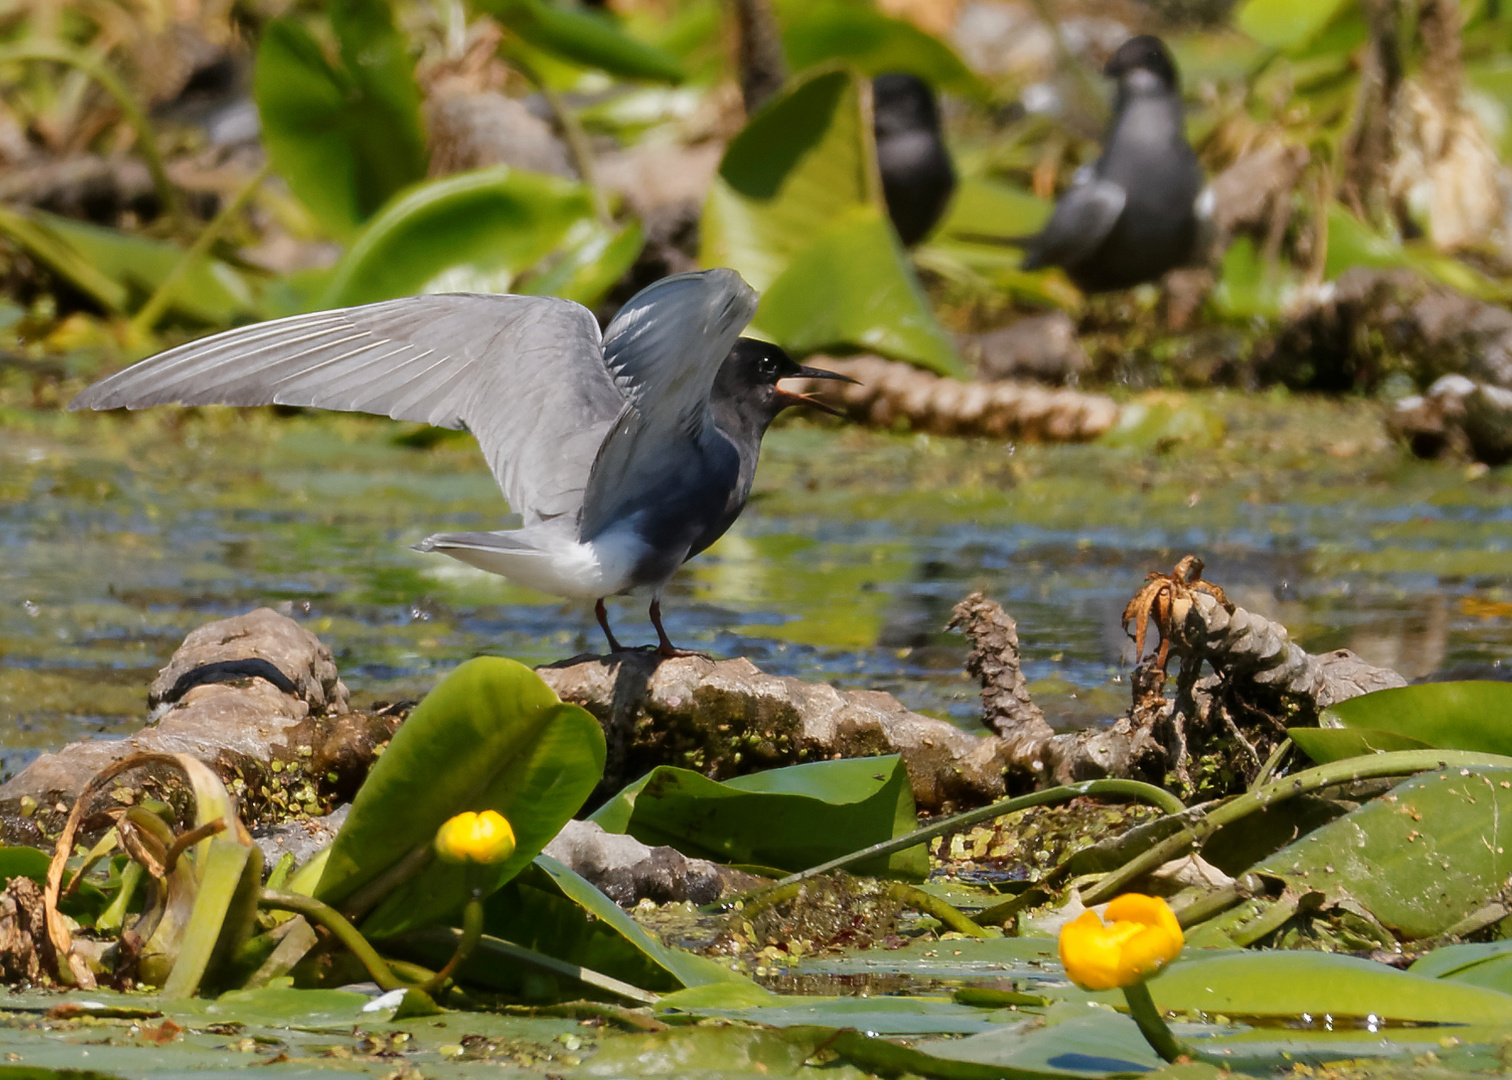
(552, 910)
(790, 818)
(984, 208)
(1334, 744)
(344, 138)
(853, 288)
(593, 258)
(1419, 859)
(1472, 715)
(815, 33)
(1286, 24)
(796, 208)
(491, 736)
(583, 37)
(469, 232)
(804, 158)
(1292, 982)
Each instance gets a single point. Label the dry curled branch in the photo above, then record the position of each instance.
(887, 391)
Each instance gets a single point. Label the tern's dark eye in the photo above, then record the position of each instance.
(767, 365)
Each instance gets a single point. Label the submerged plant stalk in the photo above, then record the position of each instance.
(1132, 789)
(344, 932)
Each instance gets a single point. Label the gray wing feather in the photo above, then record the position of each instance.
(524, 374)
(663, 349)
(1082, 220)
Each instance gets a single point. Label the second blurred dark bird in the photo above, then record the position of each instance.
(1134, 213)
(917, 175)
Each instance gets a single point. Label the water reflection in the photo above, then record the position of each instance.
(118, 536)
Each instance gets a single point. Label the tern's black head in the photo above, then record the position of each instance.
(902, 103)
(747, 383)
(1143, 54)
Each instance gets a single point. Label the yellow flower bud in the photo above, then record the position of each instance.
(478, 838)
(1141, 937)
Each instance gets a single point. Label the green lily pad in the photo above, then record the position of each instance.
(790, 818)
(1472, 715)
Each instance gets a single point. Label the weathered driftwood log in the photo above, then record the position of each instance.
(1456, 418)
(628, 871)
(1221, 727)
(256, 697)
(887, 393)
(1034, 755)
(727, 717)
(1255, 660)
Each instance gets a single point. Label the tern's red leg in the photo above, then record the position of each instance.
(603, 621)
(665, 646)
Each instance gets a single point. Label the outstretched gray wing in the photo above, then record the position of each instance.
(524, 374)
(663, 349)
(1082, 220)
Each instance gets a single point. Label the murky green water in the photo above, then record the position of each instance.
(120, 534)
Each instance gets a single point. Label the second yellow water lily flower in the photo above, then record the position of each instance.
(1140, 937)
(476, 838)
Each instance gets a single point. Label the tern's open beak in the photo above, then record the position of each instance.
(813, 402)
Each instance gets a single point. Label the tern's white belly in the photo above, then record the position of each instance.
(561, 565)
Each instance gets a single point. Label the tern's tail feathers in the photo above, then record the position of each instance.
(548, 559)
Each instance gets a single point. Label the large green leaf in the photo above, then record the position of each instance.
(815, 33)
(493, 736)
(1472, 715)
(1286, 24)
(345, 137)
(852, 289)
(594, 257)
(552, 910)
(469, 232)
(1419, 859)
(790, 818)
(1334, 744)
(1289, 983)
(796, 207)
(583, 37)
(985, 208)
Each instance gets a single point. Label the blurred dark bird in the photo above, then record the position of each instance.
(624, 455)
(1134, 213)
(917, 175)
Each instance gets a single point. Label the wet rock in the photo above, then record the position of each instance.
(726, 718)
(257, 697)
(475, 130)
(261, 644)
(26, 954)
(628, 871)
(1370, 324)
(301, 838)
(1044, 348)
(888, 393)
(1456, 418)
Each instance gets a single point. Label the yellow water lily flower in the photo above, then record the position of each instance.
(477, 838)
(1140, 937)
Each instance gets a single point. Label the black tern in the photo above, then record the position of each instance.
(917, 175)
(1136, 212)
(625, 455)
